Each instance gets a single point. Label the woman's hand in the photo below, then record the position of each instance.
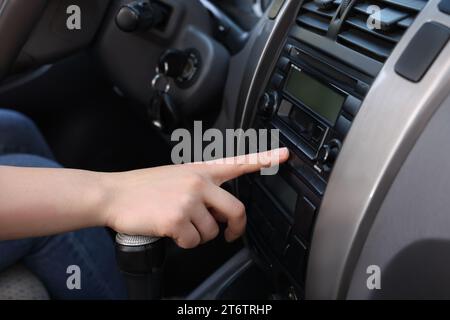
(182, 202)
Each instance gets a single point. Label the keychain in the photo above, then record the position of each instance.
(162, 107)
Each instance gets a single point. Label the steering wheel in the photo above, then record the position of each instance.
(39, 32)
(131, 58)
(17, 19)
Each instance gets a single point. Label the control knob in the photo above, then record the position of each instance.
(328, 154)
(268, 103)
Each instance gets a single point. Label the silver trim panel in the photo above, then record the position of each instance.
(393, 116)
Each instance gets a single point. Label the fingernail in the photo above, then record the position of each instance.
(285, 152)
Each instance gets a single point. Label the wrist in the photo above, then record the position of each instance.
(101, 198)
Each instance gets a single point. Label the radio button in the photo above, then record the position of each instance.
(277, 81)
(343, 126)
(362, 88)
(284, 64)
(287, 48)
(285, 108)
(295, 53)
(352, 105)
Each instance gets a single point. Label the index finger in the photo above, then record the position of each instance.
(230, 168)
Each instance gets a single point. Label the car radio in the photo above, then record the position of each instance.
(313, 112)
(312, 100)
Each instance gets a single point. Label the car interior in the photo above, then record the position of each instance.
(358, 89)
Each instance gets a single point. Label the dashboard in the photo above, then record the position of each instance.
(351, 103)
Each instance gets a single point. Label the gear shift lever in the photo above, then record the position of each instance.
(141, 260)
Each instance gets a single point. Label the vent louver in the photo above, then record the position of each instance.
(393, 20)
(315, 18)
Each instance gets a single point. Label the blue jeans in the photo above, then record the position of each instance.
(92, 250)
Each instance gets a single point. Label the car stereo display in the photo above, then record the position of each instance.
(318, 97)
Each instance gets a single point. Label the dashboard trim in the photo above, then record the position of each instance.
(353, 58)
(291, 7)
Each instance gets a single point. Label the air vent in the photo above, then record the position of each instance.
(391, 23)
(317, 18)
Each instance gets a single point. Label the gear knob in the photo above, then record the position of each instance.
(141, 260)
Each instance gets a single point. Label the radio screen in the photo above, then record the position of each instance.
(318, 97)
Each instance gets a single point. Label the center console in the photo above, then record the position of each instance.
(312, 100)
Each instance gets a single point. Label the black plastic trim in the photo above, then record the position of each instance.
(444, 6)
(219, 281)
(352, 58)
(422, 51)
(275, 8)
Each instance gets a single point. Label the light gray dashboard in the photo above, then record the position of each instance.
(365, 219)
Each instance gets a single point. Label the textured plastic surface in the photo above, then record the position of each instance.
(421, 52)
(134, 241)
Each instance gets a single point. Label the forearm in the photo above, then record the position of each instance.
(37, 202)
